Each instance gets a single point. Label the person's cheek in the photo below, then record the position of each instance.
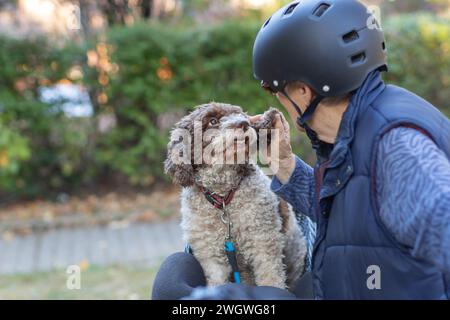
(290, 109)
(299, 128)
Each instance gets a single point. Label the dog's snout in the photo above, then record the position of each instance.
(236, 122)
(243, 125)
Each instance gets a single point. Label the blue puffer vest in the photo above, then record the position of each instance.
(350, 235)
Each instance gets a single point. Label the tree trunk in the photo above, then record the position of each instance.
(146, 8)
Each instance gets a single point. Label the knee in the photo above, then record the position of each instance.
(178, 275)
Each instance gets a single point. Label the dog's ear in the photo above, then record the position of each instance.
(178, 164)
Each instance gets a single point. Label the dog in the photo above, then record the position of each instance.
(269, 245)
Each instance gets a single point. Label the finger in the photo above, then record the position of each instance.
(285, 122)
(281, 125)
(254, 119)
(278, 123)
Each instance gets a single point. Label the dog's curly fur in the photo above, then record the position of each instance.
(270, 246)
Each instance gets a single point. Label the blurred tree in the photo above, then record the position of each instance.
(146, 8)
(40, 148)
(393, 7)
(419, 56)
(85, 18)
(4, 3)
(207, 11)
(143, 78)
(405, 6)
(115, 11)
(118, 12)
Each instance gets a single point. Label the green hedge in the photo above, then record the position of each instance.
(196, 66)
(143, 74)
(40, 149)
(419, 56)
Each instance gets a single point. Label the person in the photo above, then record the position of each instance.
(380, 191)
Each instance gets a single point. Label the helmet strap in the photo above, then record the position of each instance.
(304, 117)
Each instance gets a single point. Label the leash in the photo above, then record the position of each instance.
(229, 247)
(221, 203)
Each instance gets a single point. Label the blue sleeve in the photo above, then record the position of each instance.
(413, 193)
(299, 190)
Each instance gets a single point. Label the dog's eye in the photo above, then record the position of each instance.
(213, 121)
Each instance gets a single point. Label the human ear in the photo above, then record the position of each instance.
(301, 92)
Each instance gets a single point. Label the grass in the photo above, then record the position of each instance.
(113, 282)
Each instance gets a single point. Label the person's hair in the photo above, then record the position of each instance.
(328, 101)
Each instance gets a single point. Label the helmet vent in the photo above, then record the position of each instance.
(320, 10)
(267, 22)
(383, 45)
(358, 58)
(290, 9)
(350, 37)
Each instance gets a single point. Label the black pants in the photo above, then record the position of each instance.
(181, 273)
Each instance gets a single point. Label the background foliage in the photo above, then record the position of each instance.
(143, 78)
(419, 56)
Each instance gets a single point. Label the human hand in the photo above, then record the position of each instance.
(282, 162)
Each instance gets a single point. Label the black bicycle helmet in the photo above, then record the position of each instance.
(331, 45)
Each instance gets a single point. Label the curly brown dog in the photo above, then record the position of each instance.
(270, 247)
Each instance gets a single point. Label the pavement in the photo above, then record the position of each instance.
(124, 244)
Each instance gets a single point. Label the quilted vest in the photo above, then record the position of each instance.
(353, 248)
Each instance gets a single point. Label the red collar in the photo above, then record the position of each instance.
(216, 200)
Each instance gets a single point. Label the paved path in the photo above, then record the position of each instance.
(132, 244)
